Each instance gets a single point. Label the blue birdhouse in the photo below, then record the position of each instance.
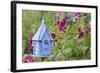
(42, 42)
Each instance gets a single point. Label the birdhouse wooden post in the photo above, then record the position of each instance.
(42, 42)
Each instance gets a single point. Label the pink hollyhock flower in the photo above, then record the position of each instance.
(57, 17)
(64, 22)
(58, 14)
(53, 34)
(62, 25)
(79, 29)
(57, 21)
(28, 58)
(78, 14)
(60, 28)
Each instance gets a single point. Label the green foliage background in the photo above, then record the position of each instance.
(67, 47)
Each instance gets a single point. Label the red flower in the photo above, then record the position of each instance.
(81, 34)
(53, 35)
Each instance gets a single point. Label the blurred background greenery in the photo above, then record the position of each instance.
(67, 47)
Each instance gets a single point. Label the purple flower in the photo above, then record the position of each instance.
(72, 17)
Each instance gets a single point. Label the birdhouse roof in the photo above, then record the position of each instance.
(42, 29)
